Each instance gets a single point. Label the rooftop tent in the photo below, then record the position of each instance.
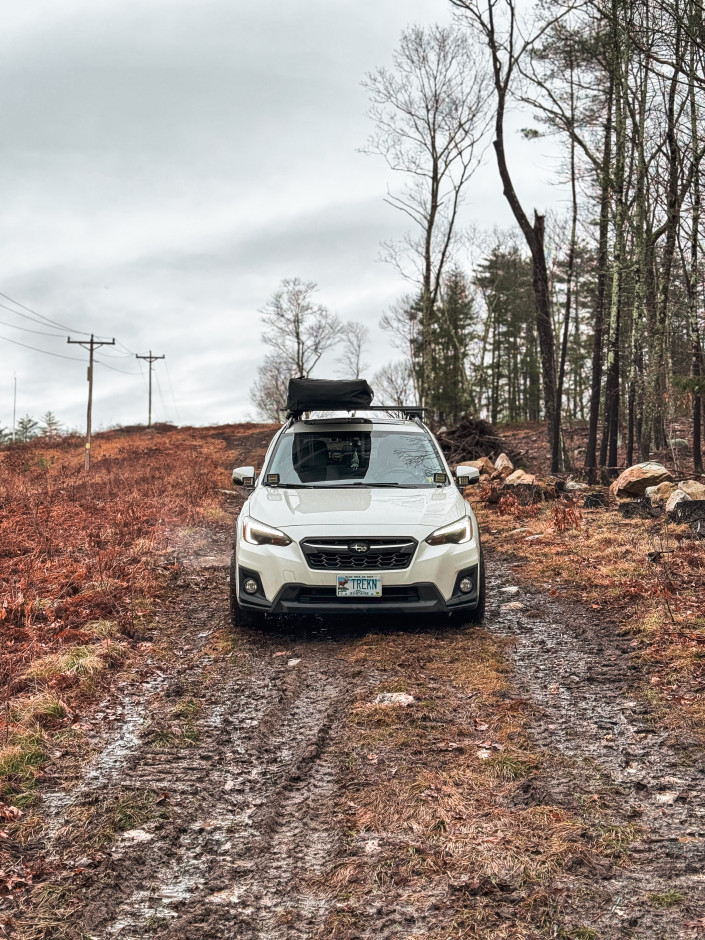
(328, 395)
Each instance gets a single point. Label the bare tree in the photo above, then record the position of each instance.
(393, 384)
(268, 394)
(496, 23)
(354, 338)
(298, 330)
(428, 113)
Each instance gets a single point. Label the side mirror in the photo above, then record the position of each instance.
(244, 476)
(466, 476)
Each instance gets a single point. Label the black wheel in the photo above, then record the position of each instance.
(248, 619)
(478, 614)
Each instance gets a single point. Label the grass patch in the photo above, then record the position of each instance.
(38, 709)
(667, 899)
(20, 762)
(187, 736)
(79, 662)
(187, 709)
(103, 629)
(96, 824)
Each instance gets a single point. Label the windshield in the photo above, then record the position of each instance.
(349, 458)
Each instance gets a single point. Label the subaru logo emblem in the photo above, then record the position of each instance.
(359, 548)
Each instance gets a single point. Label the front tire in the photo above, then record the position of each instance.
(240, 616)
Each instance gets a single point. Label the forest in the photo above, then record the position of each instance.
(592, 315)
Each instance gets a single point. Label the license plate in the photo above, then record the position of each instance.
(358, 585)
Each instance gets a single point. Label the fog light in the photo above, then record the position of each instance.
(250, 586)
(466, 585)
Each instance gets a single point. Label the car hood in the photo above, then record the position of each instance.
(359, 508)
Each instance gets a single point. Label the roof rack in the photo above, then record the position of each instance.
(408, 411)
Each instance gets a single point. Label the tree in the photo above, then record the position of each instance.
(298, 330)
(269, 392)
(506, 47)
(428, 113)
(51, 426)
(26, 428)
(393, 384)
(354, 338)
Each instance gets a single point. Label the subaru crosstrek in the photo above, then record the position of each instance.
(356, 515)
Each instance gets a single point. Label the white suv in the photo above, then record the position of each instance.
(354, 515)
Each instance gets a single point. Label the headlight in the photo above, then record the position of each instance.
(457, 533)
(257, 533)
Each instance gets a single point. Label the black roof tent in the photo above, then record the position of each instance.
(337, 395)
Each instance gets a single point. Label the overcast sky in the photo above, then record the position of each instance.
(164, 164)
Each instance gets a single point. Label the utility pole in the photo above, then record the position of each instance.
(90, 345)
(150, 359)
(14, 411)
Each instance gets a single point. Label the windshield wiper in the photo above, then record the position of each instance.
(289, 486)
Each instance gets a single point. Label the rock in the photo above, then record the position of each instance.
(677, 442)
(635, 480)
(659, 494)
(394, 698)
(519, 477)
(694, 489)
(484, 465)
(504, 465)
(677, 496)
(573, 485)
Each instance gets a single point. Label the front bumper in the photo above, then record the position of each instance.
(420, 598)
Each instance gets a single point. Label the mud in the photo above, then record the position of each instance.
(251, 814)
(590, 710)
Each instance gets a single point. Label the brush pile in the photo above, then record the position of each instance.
(471, 439)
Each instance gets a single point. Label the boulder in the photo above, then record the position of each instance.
(504, 465)
(677, 496)
(572, 486)
(484, 465)
(635, 480)
(694, 489)
(659, 494)
(520, 478)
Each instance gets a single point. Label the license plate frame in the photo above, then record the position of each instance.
(358, 585)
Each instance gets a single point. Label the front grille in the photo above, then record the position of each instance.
(337, 555)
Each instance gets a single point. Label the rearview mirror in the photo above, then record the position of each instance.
(244, 476)
(466, 476)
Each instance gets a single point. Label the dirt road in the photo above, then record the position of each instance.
(236, 785)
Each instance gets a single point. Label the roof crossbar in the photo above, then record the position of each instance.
(408, 411)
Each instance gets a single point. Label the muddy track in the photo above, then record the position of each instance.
(253, 803)
(250, 805)
(603, 744)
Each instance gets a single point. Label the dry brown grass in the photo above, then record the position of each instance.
(609, 565)
(434, 819)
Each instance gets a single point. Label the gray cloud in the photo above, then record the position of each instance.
(165, 164)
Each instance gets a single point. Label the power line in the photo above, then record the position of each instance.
(41, 315)
(46, 352)
(171, 391)
(161, 397)
(17, 313)
(114, 368)
(26, 329)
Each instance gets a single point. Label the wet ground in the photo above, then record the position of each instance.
(238, 745)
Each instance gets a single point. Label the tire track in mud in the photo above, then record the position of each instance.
(581, 678)
(250, 825)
